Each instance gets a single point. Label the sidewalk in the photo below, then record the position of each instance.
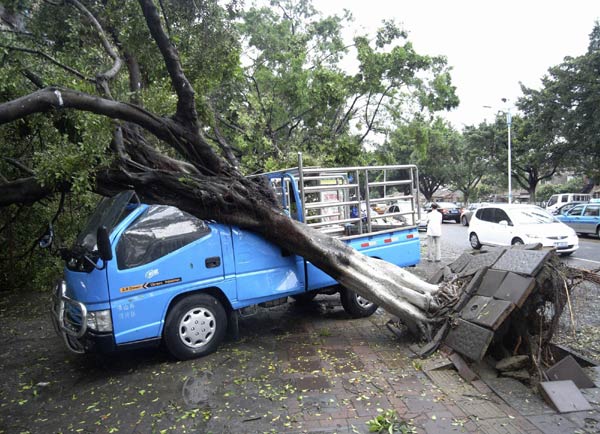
(296, 369)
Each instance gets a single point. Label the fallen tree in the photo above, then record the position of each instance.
(204, 182)
(205, 179)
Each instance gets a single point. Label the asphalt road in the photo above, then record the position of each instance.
(587, 256)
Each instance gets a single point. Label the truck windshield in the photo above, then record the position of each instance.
(109, 212)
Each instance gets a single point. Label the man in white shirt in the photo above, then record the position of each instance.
(434, 234)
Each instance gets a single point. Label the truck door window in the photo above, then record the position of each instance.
(159, 231)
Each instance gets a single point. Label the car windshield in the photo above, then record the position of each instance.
(109, 212)
(526, 216)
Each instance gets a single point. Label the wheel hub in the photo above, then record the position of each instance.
(197, 327)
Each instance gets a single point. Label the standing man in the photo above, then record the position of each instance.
(434, 234)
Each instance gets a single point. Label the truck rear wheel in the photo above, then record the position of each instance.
(195, 326)
(356, 305)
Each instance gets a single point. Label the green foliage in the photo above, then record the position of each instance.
(295, 96)
(387, 422)
(547, 190)
(426, 143)
(566, 107)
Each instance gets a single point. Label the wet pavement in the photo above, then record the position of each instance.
(296, 369)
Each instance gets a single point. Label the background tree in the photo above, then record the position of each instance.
(469, 161)
(568, 105)
(426, 143)
(295, 95)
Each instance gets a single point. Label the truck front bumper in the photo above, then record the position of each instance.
(70, 319)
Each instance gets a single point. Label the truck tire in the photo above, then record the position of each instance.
(355, 305)
(195, 326)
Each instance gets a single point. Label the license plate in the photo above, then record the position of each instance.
(561, 244)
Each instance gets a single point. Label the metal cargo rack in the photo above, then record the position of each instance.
(348, 201)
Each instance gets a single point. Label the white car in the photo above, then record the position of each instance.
(506, 225)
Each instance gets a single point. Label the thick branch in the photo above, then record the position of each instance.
(24, 191)
(186, 107)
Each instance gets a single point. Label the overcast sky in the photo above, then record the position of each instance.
(491, 45)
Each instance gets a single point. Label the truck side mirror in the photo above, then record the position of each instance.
(103, 244)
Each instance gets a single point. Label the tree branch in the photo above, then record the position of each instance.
(186, 107)
(50, 59)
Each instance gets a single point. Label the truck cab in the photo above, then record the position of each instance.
(140, 274)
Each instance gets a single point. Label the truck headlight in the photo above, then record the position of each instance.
(100, 321)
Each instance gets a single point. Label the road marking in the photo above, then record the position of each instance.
(586, 260)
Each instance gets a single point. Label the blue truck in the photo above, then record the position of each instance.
(142, 274)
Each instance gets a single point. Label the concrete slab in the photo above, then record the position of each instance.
(569, 369)
(487, 259)
(491, 282)
(474, 307)
(494, 314)
(515, 288)
(564, 396)
(469, 339)
(527, 262)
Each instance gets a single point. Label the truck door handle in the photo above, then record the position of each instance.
(212, 262)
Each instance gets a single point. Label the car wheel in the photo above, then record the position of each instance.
(517, 242)
(474, 240)
(305, 297)
(195, 326)
(464, 221)
(356, 305)
(598, 231)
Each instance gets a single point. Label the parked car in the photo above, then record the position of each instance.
(505, 225)
(465, 216)
(403, 210)
(583, 218)
(563, 209)
(449, 210)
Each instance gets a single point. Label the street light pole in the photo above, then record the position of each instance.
(508, 123)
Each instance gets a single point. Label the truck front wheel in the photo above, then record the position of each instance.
(195, 326)
(356, 305)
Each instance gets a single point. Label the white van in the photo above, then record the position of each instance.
(558, 200)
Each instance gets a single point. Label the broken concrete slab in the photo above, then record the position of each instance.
(462, 367)
(494, 313)
(459, 263)
(469, 339)
(527, 262)
(564, 396)
(515, 288)
(474, 307)
(491, 282)
(569, 369)
(487, 259)
(513, 363)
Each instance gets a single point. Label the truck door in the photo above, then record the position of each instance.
(162, 253)
(262, 268)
